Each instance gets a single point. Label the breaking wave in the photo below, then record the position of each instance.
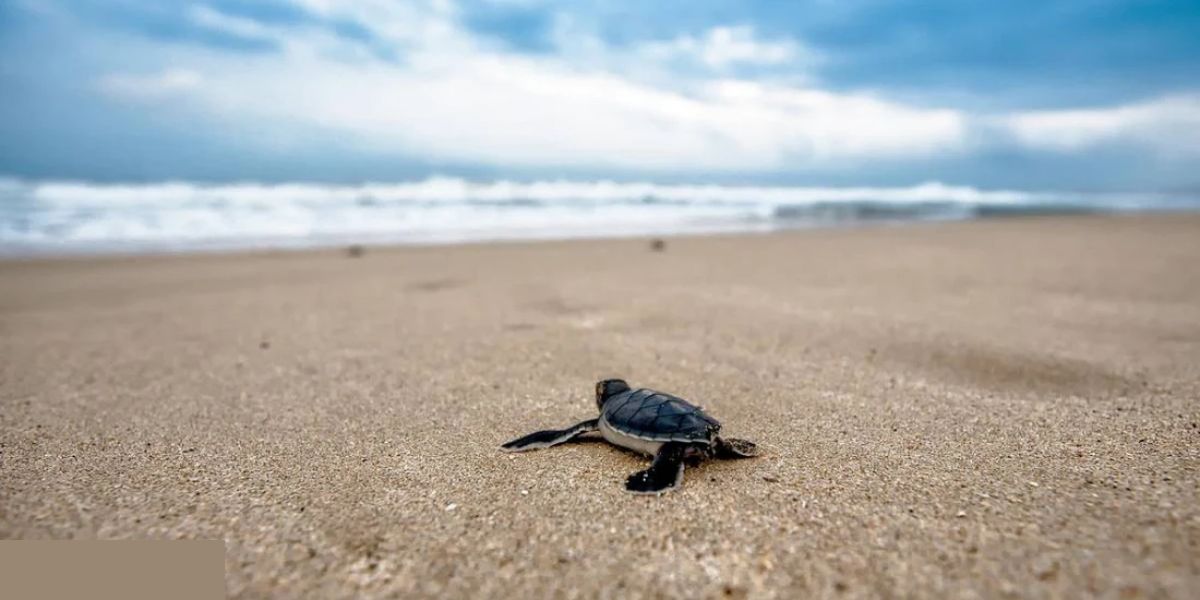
(59, 216)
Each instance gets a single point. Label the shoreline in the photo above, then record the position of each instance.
(222, 249)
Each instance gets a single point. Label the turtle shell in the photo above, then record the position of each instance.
(652, 415)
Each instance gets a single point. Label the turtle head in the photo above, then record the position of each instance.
(608, 388)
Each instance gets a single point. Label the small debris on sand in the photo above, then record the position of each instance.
(658, 245)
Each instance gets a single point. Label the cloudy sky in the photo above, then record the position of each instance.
(1083, 94)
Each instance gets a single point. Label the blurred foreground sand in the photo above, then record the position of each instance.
(974, 409)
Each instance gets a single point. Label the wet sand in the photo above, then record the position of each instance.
(971, 410)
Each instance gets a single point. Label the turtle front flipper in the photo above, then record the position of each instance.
(664, 474)
(550, 437)
(735, 448)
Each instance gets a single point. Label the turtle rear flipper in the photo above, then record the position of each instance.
(664, 474)
(735, 448)
(550, 437)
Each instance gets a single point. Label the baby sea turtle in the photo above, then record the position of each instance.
(668, 428)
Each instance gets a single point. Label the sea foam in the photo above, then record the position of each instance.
(71, 216)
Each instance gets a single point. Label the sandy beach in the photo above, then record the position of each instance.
(985, 409)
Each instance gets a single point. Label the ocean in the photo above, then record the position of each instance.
(71, 217)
